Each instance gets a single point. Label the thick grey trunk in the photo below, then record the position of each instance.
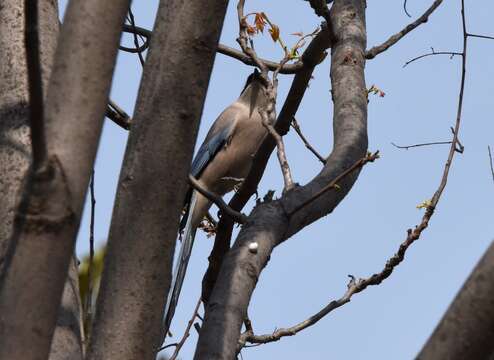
(153, 181)
(466, 330)
(15, 148)
(46, 223)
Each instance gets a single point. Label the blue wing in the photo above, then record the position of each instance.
(208, 150)
(213, 143)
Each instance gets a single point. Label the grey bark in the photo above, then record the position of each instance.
(153, 181)
(47, 219)
(466, 330)
(68, 339)
(269, 223)
(15, 149)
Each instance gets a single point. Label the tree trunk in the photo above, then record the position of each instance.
(153, 181)
(46, 223)
(466, 330)
(15, 147)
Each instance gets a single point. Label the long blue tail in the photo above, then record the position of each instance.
(180, 267)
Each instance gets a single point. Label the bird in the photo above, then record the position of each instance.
(223, 160)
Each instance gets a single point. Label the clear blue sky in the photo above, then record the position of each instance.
(393, 320)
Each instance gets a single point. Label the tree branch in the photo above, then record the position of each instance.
(406, 147)
(334, 183)
(218, 201)
(297, 129)
(490, 162)
(136, 40)
(118, 116)
(269, 224)
(433, 53)
(222, 49)
(181, 343)
(376, 50)
(481, 36)
(354, 287)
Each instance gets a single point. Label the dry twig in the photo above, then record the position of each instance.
(490, 162)
(370, 157)
(181, 343)
(376, 50)
(136, 40)
(218, 201)
(118, 116)
(297, 129)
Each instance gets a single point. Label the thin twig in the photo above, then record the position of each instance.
(297, 129)
(118, 116)
(89, 295)
(218, 201)
(481, 36)
(136, 40)
(144, 34)
(187, 331)
(405, 8)
(222, 49)
(434, 53)
(370, 157)
(406, 147)
(35, 85)
(452, 151)
(490, 162)
(267, 112)
(376, 50)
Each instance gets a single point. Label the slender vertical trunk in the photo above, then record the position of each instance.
(153, 181)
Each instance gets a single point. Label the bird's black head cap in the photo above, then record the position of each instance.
(256, 75)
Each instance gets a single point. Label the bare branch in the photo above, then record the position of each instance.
(187, 331)
(406, 147)
(376, 50)
(222, 49)
(118, 116)
(434, 53)
(405, 8)
(481, 36)
(453, 150)
(218, 201)
(334, 184)
(354, 286)
(35, 85)
(136, 40)
(490, 162)
(296, 127)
